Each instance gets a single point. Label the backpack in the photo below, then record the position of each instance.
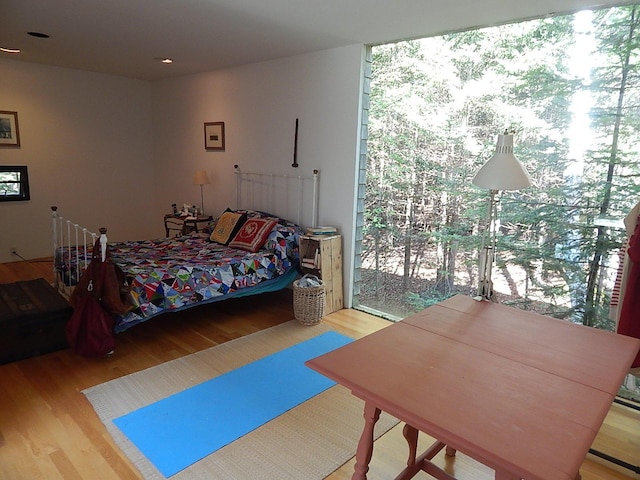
(99, 296)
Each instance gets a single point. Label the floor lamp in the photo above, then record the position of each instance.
(201, 178)
(503, 171)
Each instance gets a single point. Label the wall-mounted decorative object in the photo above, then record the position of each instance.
(9, 133)
(14, 183)
(214, 136)
(295, 147)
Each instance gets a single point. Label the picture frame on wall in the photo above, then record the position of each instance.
(214, 136)
(9, 132)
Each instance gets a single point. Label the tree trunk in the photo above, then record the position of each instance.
(600, 248)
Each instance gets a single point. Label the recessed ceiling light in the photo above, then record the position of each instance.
(38, 34)
(9, 50)
(164, 59)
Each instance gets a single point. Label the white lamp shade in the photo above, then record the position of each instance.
(503, 171)
(201, 178)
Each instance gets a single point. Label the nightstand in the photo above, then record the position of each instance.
(176, 225)
(321, 255)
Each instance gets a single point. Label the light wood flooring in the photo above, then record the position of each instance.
(48, 430)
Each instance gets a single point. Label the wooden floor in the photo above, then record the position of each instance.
(48, 430)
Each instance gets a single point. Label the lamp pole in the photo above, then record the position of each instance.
(201, 178)
(201, 200)
(503, 171)
(485, 286)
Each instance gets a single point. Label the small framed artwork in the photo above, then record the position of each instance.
(214, 136)
(9, 133)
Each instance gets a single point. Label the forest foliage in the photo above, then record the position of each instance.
(569, 86)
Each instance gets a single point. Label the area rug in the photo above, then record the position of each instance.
(185, 427)
(308, 442)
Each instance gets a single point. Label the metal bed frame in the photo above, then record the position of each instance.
(262, 191)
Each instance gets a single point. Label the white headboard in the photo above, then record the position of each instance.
(294, 197)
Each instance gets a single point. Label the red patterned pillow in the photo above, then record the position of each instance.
(253, 234)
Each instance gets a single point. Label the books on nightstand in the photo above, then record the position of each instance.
(321, 230)
(311, 245)
(311, 261)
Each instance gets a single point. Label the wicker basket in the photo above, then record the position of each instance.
(308, 303)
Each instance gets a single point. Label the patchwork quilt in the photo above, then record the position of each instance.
(170, 274)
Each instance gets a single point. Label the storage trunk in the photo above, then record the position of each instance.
(33, 316)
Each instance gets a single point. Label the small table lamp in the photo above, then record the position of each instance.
(201, 178)
(503, 171)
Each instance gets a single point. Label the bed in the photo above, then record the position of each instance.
(260, 253)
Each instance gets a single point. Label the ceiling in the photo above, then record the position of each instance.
(127, 37)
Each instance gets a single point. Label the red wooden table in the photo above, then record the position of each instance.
(522, 393)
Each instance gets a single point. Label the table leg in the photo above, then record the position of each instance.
(411, 435)
(423, 462)
(365, 445)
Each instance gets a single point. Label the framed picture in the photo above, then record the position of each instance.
(214, 136)
(9, 134)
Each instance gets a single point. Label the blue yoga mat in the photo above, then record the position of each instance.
(183, 428)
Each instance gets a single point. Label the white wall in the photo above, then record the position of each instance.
(86, 139)
(116, 152)
(259, 104)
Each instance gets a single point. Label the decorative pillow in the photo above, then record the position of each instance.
(260, 214)
(227, 226)
(253, 234)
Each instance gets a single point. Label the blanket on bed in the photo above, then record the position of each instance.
(173, 273)
(170, 274)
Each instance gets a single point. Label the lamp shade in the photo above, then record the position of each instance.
(503, 171)
(201, 178)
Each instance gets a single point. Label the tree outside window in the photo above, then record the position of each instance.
(570, 87)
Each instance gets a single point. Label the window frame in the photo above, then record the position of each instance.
(23, 183)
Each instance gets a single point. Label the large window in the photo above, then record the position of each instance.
(570, 87)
